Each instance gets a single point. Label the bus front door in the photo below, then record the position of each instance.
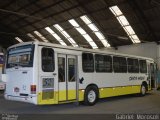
(67, 72)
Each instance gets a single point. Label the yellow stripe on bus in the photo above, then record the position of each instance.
(58, 97)
(47, 101)
(103, 92)
(117, 91)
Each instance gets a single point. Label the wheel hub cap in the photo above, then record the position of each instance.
(91, 96)
(143, 90)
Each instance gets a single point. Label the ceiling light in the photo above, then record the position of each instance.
(83, 33)
(124, 23)
(74, 23)
(116, 11)
(66, 35)
(55, 36)
(86, 19)
(41, 36)
(18, 39)
(95, 30)
(31, 36)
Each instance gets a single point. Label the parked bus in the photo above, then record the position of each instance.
(45, 73)
(2, 84)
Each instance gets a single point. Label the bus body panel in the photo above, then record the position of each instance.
(47, 94)
(21, 74)
(62, 91)
(113, 84)
(19, 84)
(50, 91)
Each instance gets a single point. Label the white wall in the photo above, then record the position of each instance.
(151, 50)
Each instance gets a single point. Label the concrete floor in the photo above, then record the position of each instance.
(123, 104)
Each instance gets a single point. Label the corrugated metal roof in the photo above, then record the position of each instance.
(21, 17)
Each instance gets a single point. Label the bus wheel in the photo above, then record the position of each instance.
(91, 96)
(143, 90)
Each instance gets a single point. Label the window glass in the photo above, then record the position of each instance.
(20, 56)
(71, 69)
(103, 63)
(133, 65)
(143, 66)
(152, 68)
(61, 69)
(87, 62)
(119, 64)
(47, 60)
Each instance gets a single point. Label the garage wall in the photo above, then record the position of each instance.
(146, 50)
(151, 50)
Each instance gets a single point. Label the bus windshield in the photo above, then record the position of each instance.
(20, 56)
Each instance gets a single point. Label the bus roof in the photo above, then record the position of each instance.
(78, 49)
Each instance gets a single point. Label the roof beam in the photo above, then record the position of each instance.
(44, 20)
(138, 11)
(21, 8)
(48, 16)
(89, 13)
(7, 35)
(8, 4)
(19, 30)
(35, 12)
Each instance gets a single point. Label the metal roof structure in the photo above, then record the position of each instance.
(80, 23)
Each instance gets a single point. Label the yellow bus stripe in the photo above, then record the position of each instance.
(103, 92)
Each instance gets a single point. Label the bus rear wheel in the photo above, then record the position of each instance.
(91, 96)
(143, 90)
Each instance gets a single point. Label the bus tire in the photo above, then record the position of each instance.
(91, 95)
(143, 90)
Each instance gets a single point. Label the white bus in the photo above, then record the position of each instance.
(45, 73)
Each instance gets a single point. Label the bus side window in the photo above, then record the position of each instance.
(61, 69)
(119, 64)
(103, 63)
(87, 62)
(47, 60)
(133, 65)
(71, 69)
(143, 66)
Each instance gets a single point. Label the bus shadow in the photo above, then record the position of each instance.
(122, 97)
(27, 108)
(1, 94)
